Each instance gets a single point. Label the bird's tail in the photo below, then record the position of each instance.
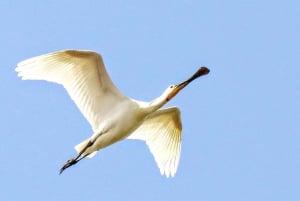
(82, 145)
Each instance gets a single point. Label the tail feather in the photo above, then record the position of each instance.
(79, 147)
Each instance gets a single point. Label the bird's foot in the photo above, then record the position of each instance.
(68, 164)
(76, 159)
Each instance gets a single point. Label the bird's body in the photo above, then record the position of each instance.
(112, 115)
(116, 126)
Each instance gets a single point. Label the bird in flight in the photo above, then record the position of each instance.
(112, 115)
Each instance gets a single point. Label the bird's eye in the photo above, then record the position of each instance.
(172, 86)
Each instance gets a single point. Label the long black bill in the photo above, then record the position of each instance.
(200, 72)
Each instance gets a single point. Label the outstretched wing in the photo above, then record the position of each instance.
(83, 75)
(162, 133)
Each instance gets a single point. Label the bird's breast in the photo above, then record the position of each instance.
(118, 125)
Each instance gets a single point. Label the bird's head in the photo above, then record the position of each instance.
(172, 90)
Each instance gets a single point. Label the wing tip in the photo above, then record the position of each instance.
(168, 173)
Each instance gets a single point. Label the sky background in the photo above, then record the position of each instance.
(241, 123)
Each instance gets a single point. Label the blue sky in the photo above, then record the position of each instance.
(241, 133)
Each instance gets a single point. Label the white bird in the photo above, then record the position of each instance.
(112, 115)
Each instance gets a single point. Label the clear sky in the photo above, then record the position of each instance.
(241, 123)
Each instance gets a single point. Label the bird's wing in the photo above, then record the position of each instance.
(162, 133)
(83, 75)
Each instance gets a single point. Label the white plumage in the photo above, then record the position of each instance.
(112, 115)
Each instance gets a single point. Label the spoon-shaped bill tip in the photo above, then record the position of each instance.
(201, 71)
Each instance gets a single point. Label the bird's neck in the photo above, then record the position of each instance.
(157, 103)
(152, 106)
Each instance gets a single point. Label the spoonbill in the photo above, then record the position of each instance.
(112, 115)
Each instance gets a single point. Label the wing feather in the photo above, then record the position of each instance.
(83, 75)
(162, 133)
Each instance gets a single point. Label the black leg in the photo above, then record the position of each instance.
(76, 159)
